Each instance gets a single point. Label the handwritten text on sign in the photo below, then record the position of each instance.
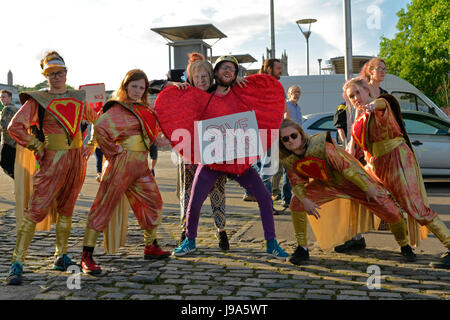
(94, 92)
(226, 138)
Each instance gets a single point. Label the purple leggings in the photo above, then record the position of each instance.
(204, 180)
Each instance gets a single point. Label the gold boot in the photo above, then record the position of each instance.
(398, 229)
(149, 236)
(299, 221)
(90, 237)
(440, 230)
(62, 230)
(25, 235)
(301, 254)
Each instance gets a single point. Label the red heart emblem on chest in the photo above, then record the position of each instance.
(312, 168)
(68, 112)
(177, 110)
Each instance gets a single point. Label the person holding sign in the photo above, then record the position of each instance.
(200, 75)
(58, 146)
(379, 130)
(225, 99)
(125, 131)
(335, 174)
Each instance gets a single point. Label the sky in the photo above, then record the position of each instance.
(100, 40)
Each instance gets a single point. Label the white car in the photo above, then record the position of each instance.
(429, 135)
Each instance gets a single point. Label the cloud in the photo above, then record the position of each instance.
(102, 39)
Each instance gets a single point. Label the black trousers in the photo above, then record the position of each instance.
(7, 159)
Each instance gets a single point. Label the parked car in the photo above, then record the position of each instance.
(429, 135)
(323, 93)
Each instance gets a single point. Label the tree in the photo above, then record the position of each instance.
(420, 51)
(39, 86)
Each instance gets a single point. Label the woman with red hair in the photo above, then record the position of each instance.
(125, 131)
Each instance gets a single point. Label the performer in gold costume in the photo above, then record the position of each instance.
(380, 132)
(335, 174)
(58, 146)
(124, 132)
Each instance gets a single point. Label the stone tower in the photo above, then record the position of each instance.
(10, 78)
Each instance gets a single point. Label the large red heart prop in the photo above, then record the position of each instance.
(179, 109)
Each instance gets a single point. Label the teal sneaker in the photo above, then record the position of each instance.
(15, 275)
(187, 246)
(443, 263)
(63, 263)
(275, 250)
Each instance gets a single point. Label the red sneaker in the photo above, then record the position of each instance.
(88, 264)
(154, 251)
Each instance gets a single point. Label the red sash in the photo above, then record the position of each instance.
(68, 112)
(359, 129)
(312, 167)
(148, 120)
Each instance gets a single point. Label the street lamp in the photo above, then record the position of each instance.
(306, 34)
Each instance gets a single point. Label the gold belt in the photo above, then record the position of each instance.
(380, 148)
(134, 143)
(60, 142)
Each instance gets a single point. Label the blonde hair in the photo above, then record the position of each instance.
(358, 81)
(132, 75)
(196, 61)
(288, 123)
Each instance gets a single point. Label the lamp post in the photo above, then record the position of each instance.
(320, 66)
(306, 34)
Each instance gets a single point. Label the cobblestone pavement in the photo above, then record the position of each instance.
(243, 273)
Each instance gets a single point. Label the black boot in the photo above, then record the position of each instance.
(351, 245)
(223, 240)
(300, 256)
(408, 253)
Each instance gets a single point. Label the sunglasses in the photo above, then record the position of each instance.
(292, 135)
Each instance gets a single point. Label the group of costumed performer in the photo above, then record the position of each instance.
(380, 132)
(263, 94)
(57, 114)
(125, 131)
(320, 171)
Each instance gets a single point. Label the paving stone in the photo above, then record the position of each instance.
(45, 296)
(142, 297)
(347, 297)
(143, 278)
(113, 296)
(131, 285)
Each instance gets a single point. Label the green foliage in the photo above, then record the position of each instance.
(39, 86)
(420, 51)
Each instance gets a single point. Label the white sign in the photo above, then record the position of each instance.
(94, 92)
(230, 139)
